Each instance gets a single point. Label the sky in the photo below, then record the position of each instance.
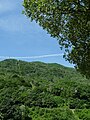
(20, 38)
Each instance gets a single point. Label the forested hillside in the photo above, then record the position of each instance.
(42, 91)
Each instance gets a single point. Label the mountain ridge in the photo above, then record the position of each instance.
(42, 91)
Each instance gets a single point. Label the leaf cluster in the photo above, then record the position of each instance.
(69, 22)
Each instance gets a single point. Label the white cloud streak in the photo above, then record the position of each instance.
(31, 57)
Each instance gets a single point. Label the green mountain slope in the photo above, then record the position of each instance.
(40, 91)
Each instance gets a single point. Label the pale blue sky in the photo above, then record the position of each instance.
(20, 37)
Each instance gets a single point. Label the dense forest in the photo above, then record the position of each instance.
(42, 91)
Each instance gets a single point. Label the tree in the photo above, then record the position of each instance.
(69, 22)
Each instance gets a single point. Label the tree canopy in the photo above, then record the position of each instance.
(69, 22)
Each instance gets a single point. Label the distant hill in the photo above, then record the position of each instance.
(42, 91)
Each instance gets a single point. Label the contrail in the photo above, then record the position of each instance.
(31, 57)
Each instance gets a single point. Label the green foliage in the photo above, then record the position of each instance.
(83, 114)
(69, 22)
(40, 91)
(51, 114)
